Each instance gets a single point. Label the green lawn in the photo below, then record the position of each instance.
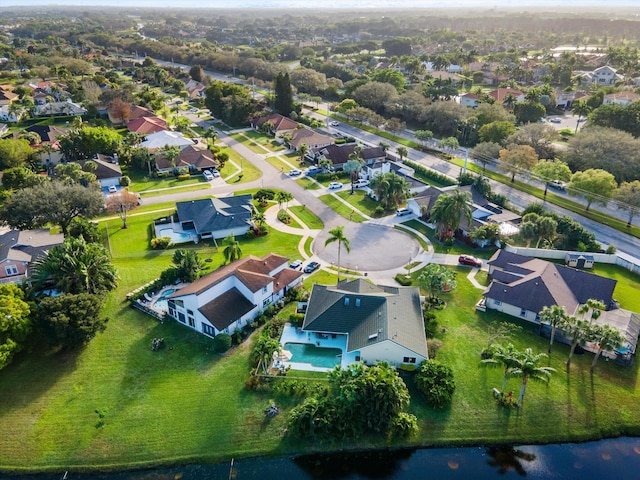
(308, 184)
(185, 188)
(255, 141)
(342, 209)
(141, 181)
(361, 201)
(281, 165)
(232, 175)
(307, 246)
(307, 217)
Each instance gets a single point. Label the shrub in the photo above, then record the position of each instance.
(160, 243)
(296, 319)
(405, 425)
(466, 179)
(169, 276)
(404, 280)
(427, 173)
(436, 383)
(433, 346)
(221, 343)
(284, 217)
(611, 249)
(125, 181)
(430, 323)
(379, 211)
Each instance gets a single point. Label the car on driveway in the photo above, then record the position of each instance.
(312, 170)
(294, 172)
(361, 183)
(555, 120)
(334, 185)
(401, 212)
(469, 260)
(296, 264)
(207, 175)
(312, 267)
(113, 189)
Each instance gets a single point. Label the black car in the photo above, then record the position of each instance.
(312, 267)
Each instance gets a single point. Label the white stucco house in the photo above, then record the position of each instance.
(379, 323)
(233, 295)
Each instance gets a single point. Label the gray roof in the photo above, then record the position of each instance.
(27, 245)
(368, 313)
(226, 308)
(215, 214)
(533, 284)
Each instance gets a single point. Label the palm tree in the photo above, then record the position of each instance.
(578, 330)
(384, 146)
(353, 166)
(555, 316)
(509, 101)
(211, 134)
(582, 109)
(303, 149)
(259, 218)
(232, 250)
(606, 338)
(449, 210)
(528, 367)
(391, 189)
(264, 349)
(283, 197)
(188, 264)
(596, 307)
(337, 235)
(503, 355)
(402, 152)
(171, 152)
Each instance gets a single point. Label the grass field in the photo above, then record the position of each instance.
(342, 209)
(307, 217)
(361, 201)
(187, 404)
(186, 188)
(456, 249)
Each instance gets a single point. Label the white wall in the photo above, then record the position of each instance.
(511, 310)
(389, 351)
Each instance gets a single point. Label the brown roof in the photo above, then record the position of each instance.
(140, 112)
(310, 137)
(280, 122)
(190, 156)
(285, 277)
(227, 308)
(500, 94)
(248, 265)
(147, 125)
(339, 154)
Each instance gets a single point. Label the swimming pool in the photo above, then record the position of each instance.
(176, 237)
(316, 356)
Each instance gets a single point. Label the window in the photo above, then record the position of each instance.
(181, 317)
(497, 302)
(208, 330)
(523, 312)
(265, 289)
(11, 269)
(266, 302)
(190, 312)
(409, 360)
(172, 312)
(180, 303)
(192, 321)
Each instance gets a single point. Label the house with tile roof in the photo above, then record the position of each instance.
(59, 108)
(234, 294)
(311, 138)
(193, 157)
(500, 94)
(147, 125)
(623, 98)
(281, 124)
(469, 100)
(20, 248)
(379, 323)
(339, 154)
(522, 286)
(216, 217)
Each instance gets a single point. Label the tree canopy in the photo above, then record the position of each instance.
(15, 324)
(595, 184)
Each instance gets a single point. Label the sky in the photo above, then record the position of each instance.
(328, 4)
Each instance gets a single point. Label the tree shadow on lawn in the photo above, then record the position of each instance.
(32, 373)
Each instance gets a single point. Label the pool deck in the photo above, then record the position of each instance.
(178, 231)
(292, 334)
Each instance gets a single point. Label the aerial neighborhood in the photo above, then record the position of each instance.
(273, 239)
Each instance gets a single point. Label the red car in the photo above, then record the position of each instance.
(469, 260)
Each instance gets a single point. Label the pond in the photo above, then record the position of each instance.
(614, 458)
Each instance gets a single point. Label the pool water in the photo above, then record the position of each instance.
(318, 357)
(161, 303)
(176, 237)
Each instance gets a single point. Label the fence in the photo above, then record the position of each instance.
(149, 311)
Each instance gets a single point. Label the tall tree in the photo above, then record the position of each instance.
(582, 109)
(605, 337)
(577, 329)
(528, 367)
(353, 166)
(627, 197)
(75, 267)
(517, 159)
(549, 170)
(593, 305)
(555, 316)
(121, 203)
(15, 324)
(283, 103)
(232, 250)
(502, 355)
(188, 264)
(337, 235)
(402, 152)
(437, 278)
(596, 185)
(391, 189)
(448, 211)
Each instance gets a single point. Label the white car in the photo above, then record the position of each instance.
(555, 120)
(334, 185)
(334, 124)
(401, 212)
(557, 184)
(296, 264)
(113, 189)
(361, 183)
(294, 172)
(207, 175)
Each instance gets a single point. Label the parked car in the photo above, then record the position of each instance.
(207, 175)
(312, 267)
(312, 170)
(296, 264)
(557, 184)
(361, 183)
(470, 260)
(334, 124)
(334, 185)
(401, 212)
(555, 120)
(294, 172)
(113, 189)
(193, 110)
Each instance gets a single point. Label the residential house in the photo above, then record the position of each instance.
(108, 172)
(522, 286)
(422, 203)
(623, 98)
(469, 100)
(135, 112)
(233, 295)
(311, 138)
(606, 75)
(443, 75)
(19, 249)
(59, 108)
(564, 99)
(500, 94)
(216, 217)
(281, 124)
(49, 135)
(8, 115)
(147, 125)
(194, 158)
(339, 154)
(380, 323)
(7, 97)
(194, 89)
(164, 138)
